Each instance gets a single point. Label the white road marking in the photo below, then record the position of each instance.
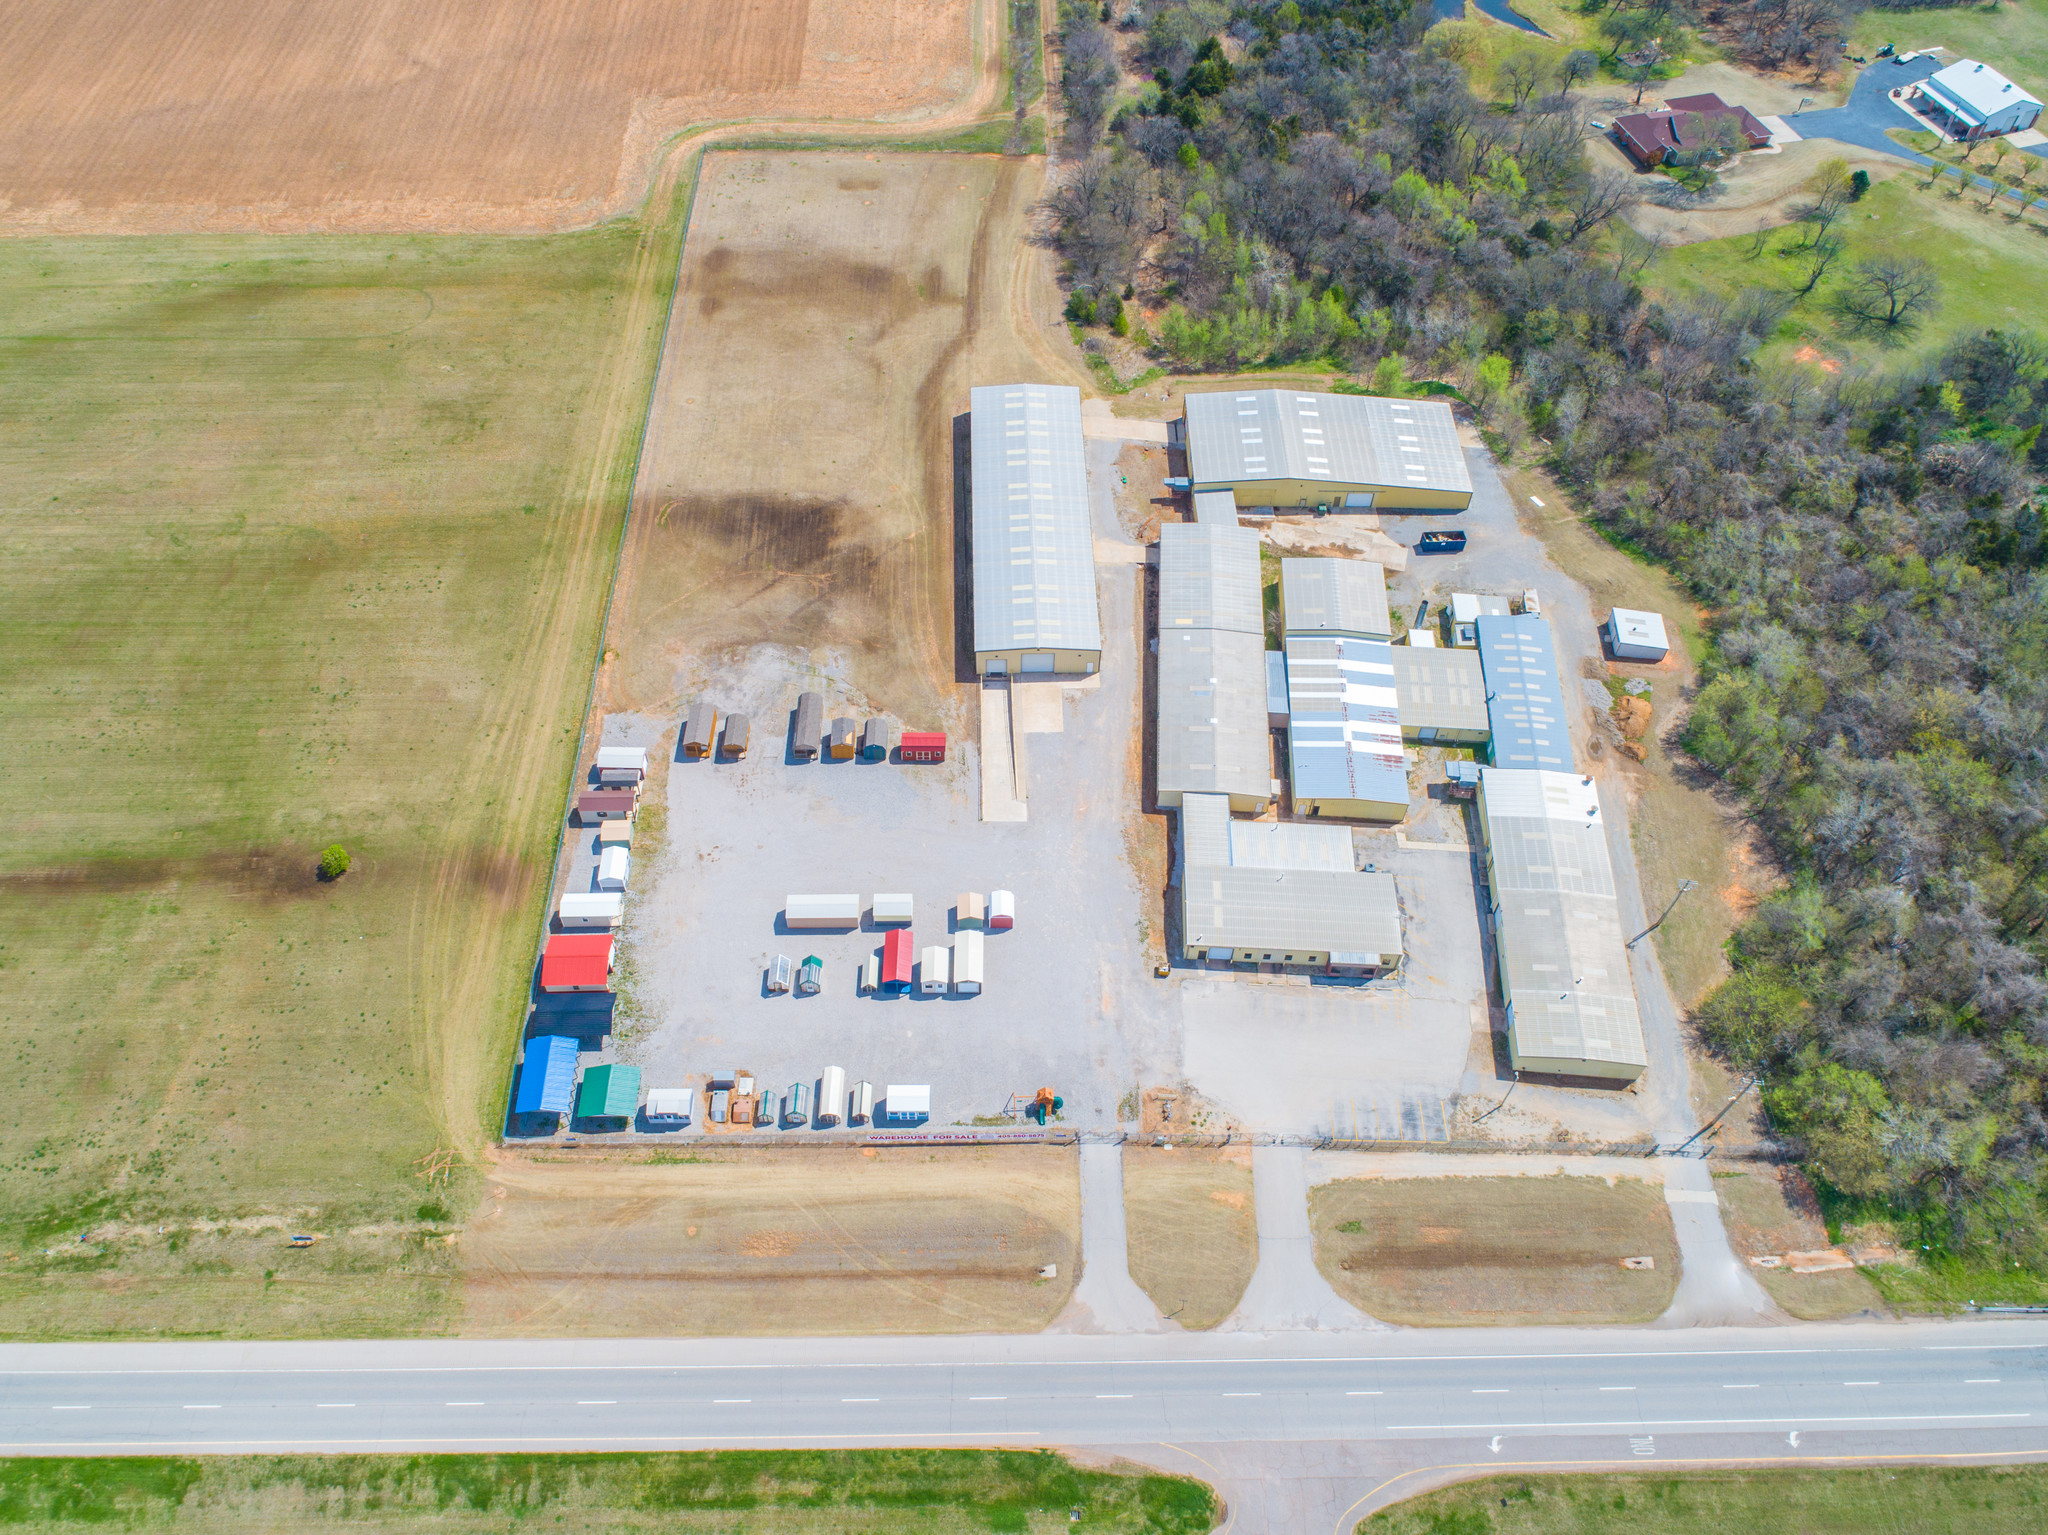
(988, 1399)
(1617, 1388)
(597, 1404)
(1241, 1393)
(1746, 1386)
(463, 1404)
(71, 1409)
(860, 1399)
(1899, 1417)
(1860, 1383)
(730, 1401)
(202, 1407)
(1113, 1396)
(1989, 1382)
(1489, 1390)
(334, 1404)
(1365, 1393)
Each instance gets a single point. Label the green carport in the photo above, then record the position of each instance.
(609, 1092)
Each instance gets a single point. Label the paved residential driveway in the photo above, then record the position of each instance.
(1869, 111)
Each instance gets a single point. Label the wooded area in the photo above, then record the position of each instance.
(1318, 180)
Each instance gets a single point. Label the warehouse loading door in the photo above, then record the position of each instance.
(1038, 661)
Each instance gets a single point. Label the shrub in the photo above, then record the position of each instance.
(1859, 183)
(334, 862)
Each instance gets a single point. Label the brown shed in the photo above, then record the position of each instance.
(604, 805)
(734, 743)
(702, 729)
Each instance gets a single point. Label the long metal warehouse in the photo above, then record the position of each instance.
(1562, 966)
(1212, 733)
(1034, 546)
(1524, 699)
(1283, 449)
(1344, 751)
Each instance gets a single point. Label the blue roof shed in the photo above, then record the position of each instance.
(1524, 699)
(547, 1080)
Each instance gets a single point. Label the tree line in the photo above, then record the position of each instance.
(1317, 179)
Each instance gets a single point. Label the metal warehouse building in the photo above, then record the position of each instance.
(1344, 730)
(1279, 893)
(1443, 695)
(1282, 449)
(1562, 963)
(1326, 598)
(1034, 551)
(1212, 736)
(1525, 701)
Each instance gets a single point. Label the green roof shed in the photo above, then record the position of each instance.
(609, 1092)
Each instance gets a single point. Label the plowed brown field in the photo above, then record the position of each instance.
(381, 114)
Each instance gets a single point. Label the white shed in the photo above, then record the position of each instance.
(612, 865)
(933, 970)
(621, 764)
(831, 1097)
(591, 910)
(871, 973)
(861, 1108)
(904, 1104)
(671, 1105)
(1637, 635)
(1002, 910)
(967, 946)
(816, 911)
(892, 908)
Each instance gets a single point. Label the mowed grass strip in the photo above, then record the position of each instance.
(1992, 1500)
(1993, 268)
(1193, 1234)
(750, 1492)
(1504, 1251)
(307, 541)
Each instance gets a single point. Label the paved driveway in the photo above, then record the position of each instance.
(1869, 111)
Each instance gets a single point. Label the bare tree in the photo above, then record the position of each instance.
(1088, 75)
(1891, 291)
(1757, 238)
(1604, 196)
(1821, 254)
(1519, 76)
(1577, 65)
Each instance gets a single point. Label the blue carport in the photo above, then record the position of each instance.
(547, 1080)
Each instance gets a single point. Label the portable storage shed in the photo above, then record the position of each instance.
(810, 724)
(591, 910)
(934, 970)
(874, 741)
(740, 1110)
(969, 910)
(967, 963)
(904, 1104)
(897, 952)
(734, 744)
(576, 962)
(780, 971)
(810, 976)
(609, 1092)
(832, 1096)
(671, 1105)
(720, 1102)
(796, 1104)
(871, 974)
(892, 907)
(612, 867)
(621, 764)
(701, 730)
(605, 805)
(924, 746)
(861, 1108)
(844, 738)
(805, 913)
(1002, 911)
(547, 1076)
(1637, 635)
(614, 834)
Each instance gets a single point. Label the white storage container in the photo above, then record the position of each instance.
(780, 973)
(903, 1104)
(591, 910)
(933, 970)
(1002, 910)
(803, 912)
(621, 764)
(862, 1107)
(831, 1096)
(967, 963)
(671, 1105)
(871, 973)
(892, 908)
(612, 865)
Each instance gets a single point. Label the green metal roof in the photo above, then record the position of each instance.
(609, 1092)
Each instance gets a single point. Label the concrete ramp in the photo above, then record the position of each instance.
(1288, 1292)
(1002, 797)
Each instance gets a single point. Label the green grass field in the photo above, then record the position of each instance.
(1993, 270)
(307, 541)
(2012, 36)
(922, 1492)
(1993, 1500)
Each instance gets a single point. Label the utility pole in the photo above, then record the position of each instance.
(1483, 1118)
(1679, 1150)
(1683, 886)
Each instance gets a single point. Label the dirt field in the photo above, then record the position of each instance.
(474, 115)
(784, 1242)
(798, 479)
(394, 471)
(1454, 1252)
(1194, 1237)
(1770, 1212)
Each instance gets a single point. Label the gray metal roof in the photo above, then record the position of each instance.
(1283, 434)
(1212, 735)
(1440, 689)
(1284, 887)
(1209, 578)
(1333, 597)
(1558, 930)
(1525, 700)
(1034, 548)
(1276, 683)
(1344, 725)
(1216, 506)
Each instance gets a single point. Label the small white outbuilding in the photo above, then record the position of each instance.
(1637, 635)
(612, 866)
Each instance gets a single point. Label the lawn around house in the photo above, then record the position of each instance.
(1993, 271)
(309, 545)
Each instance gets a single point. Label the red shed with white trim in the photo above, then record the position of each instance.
(923, 745)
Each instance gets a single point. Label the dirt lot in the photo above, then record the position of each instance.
(797, 481)
(784, 1242)
(1453, 1252)
(285, 115)
(1194, 1237)
(1770, 1212)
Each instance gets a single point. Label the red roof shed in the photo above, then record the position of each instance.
(899, 953)
(577, 962)
(923, 745)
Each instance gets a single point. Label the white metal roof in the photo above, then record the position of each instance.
(1212, 734)
(670, 1102)
(1034, 551)
(1978, 87)
(902, 1099)
(1286, 887)
(1332, 597)
(1524, 698)
(1558, 929)
(622, 757)
(1283, 434)
(1635, 626)
(1344, 722)
(1216, 506)
(1209, 577)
